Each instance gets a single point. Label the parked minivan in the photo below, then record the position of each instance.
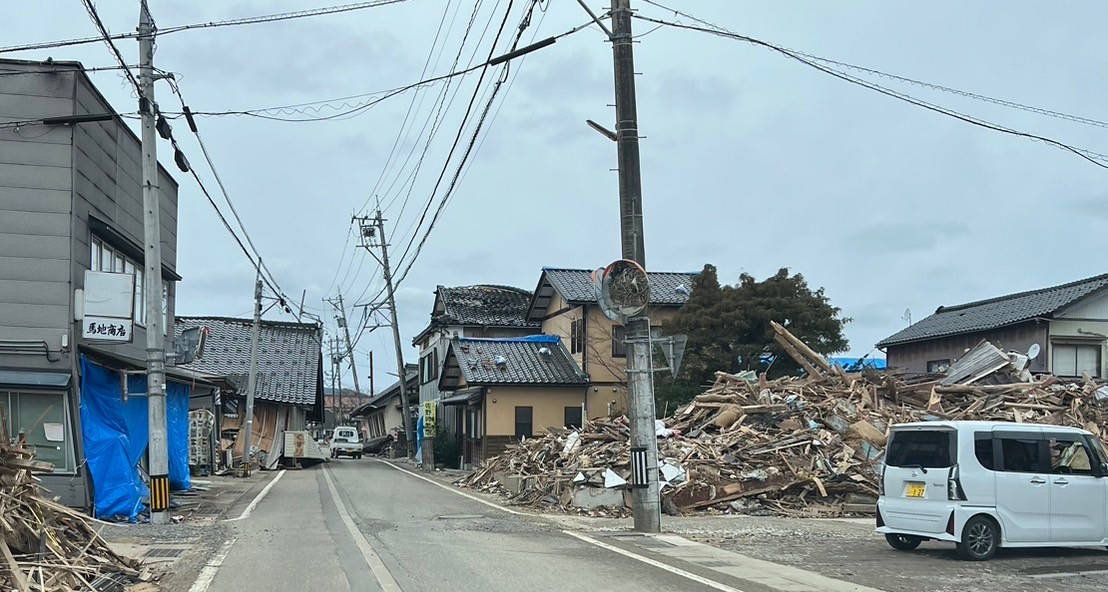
(987, 484)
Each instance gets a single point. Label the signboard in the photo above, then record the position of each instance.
(108, 307)
(107, 329)
(429, 409)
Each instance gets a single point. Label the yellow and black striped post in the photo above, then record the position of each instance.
(159, 493)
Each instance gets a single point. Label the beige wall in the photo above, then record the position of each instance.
(1084, 332)
(600, 396)
(548, 407)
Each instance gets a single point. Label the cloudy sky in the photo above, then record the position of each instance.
(751, 161)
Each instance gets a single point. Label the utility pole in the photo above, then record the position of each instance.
(372, 392)
(338, 376)
(645, 497)
(252, 379)
(349, 346)
(158, 450)
(368, 229)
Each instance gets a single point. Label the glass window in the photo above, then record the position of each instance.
(1020, 455)
(924, 448)
(937, 366)
(41, 418)
(619, 348)
(573, 417)
(983, 450)
(1072, 359)
(524, 425)
(1069, 456)
(96, 246)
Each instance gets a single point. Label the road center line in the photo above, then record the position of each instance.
(207, 573)
(658, 564)
(384, 578)
(254, 504)
(456, 491)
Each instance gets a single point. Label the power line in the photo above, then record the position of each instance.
(899, 78)
(107, 38)
(1100, 160)
(62, 70)
(207, 25)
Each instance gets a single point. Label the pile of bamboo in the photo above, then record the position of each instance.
(45, 546)
(807, 446)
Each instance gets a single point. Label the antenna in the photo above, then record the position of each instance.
(907, 316)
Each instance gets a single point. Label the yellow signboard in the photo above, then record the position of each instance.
(429, 409)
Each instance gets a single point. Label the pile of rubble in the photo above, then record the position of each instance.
(806, 446)
(45, 546)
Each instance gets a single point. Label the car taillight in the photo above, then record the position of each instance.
(954, 491)
(881, 483)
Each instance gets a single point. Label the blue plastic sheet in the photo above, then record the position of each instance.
(117, 488)
(116, 434)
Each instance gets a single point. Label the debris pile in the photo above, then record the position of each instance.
(800, 446)
(45, 546)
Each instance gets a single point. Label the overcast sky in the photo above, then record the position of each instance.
(751, 161)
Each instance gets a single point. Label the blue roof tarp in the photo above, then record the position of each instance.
(115, 435)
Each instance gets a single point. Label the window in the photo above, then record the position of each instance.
(1020, 455)
(983, 450)
(1068, 455)
(573, 417)
(577, 336)
(523, 422)
(1071, 359)
(106, 258)
(930, 449)
(473, 419)
(938, 366)
(43, 420)
(619, 348)
(425, 369)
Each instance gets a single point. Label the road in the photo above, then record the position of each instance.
(365, 525)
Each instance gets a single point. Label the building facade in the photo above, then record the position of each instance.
(70, 201)
(1068, 324)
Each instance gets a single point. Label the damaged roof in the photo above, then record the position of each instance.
(576, 286)
(531, 360)
(289, 357)
(983, 315)
(483, 305)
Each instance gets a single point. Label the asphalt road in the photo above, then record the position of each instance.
(363, 525)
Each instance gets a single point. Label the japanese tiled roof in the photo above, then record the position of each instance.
(289, 356)
(997, 312)
(499, 306)
(667, 288)
(532, 360)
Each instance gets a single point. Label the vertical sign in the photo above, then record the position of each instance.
(639, 477)
(429, 409)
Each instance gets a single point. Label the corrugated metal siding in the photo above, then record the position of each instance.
(913, 357)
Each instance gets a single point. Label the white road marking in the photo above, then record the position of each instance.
(657, 564)
(384, 578)
(454, 490)
(254, 504)
(207, 573)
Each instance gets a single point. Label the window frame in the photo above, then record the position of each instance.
(103, 253)
(933, 366)
(576, 336)
(1077, 345)
(619, 345)
(1041, 458)
(1090, 454)
(530, 423)
(69, 453)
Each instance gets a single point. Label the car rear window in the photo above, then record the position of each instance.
(931, 449)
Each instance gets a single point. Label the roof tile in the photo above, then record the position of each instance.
(532, 360)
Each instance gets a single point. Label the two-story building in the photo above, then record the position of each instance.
(1068, 323)
(485, 311)
(70, 201)
(564, 303)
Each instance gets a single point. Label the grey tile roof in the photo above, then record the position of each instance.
(501, 306)
(288, 356)
(988, 314)
(532, 360)
(575, 285)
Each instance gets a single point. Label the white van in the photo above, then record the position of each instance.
(987, 484)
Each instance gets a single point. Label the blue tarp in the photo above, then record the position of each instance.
(115, 436)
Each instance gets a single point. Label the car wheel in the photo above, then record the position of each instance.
(903, 542)
(980, 537)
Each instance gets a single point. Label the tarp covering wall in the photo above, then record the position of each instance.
(115, 436)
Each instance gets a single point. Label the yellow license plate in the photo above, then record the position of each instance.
(916, 489)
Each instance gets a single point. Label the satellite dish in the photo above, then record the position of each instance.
(625, 289)
(1033, 351)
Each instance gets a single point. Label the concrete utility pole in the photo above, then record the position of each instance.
(158, 451)
(338, 377)
(369, 228)
(252, 379)
(645, 497)
(349, 346)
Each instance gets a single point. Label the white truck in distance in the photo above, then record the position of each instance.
(345, 441)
